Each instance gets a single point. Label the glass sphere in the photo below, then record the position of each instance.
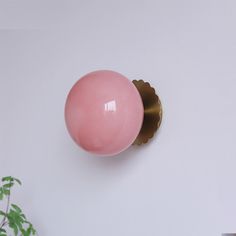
(104, 112)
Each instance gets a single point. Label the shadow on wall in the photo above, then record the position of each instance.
(108, 162)
(124, 158)
(92, 170)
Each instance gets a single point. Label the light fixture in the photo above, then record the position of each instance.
(105, 112)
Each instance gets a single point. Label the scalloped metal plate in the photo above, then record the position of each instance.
(152, 111)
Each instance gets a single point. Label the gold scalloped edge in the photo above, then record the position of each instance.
(152, 111)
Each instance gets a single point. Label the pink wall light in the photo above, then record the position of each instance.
(105, 112)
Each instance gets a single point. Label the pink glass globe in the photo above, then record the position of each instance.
(104, 112)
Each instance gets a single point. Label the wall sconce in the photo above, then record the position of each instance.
(105, 112)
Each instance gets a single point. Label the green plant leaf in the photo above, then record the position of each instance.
(8, 185)
(1, 193)
(23, 216)
(16, 208)
(6, 191)
(3, 232)
(23, 232)
(7, 178)
(15, 229)
(11, 179)
(2, 213)
(18, 181)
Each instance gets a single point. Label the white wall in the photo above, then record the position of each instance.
(182, 182)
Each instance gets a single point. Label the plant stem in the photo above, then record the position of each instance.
(4, 223)
(7, 209)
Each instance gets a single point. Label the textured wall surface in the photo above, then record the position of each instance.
(183, 181)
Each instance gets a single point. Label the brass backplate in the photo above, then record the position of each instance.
(152, 111)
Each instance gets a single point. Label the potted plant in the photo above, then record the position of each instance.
(12, 219)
